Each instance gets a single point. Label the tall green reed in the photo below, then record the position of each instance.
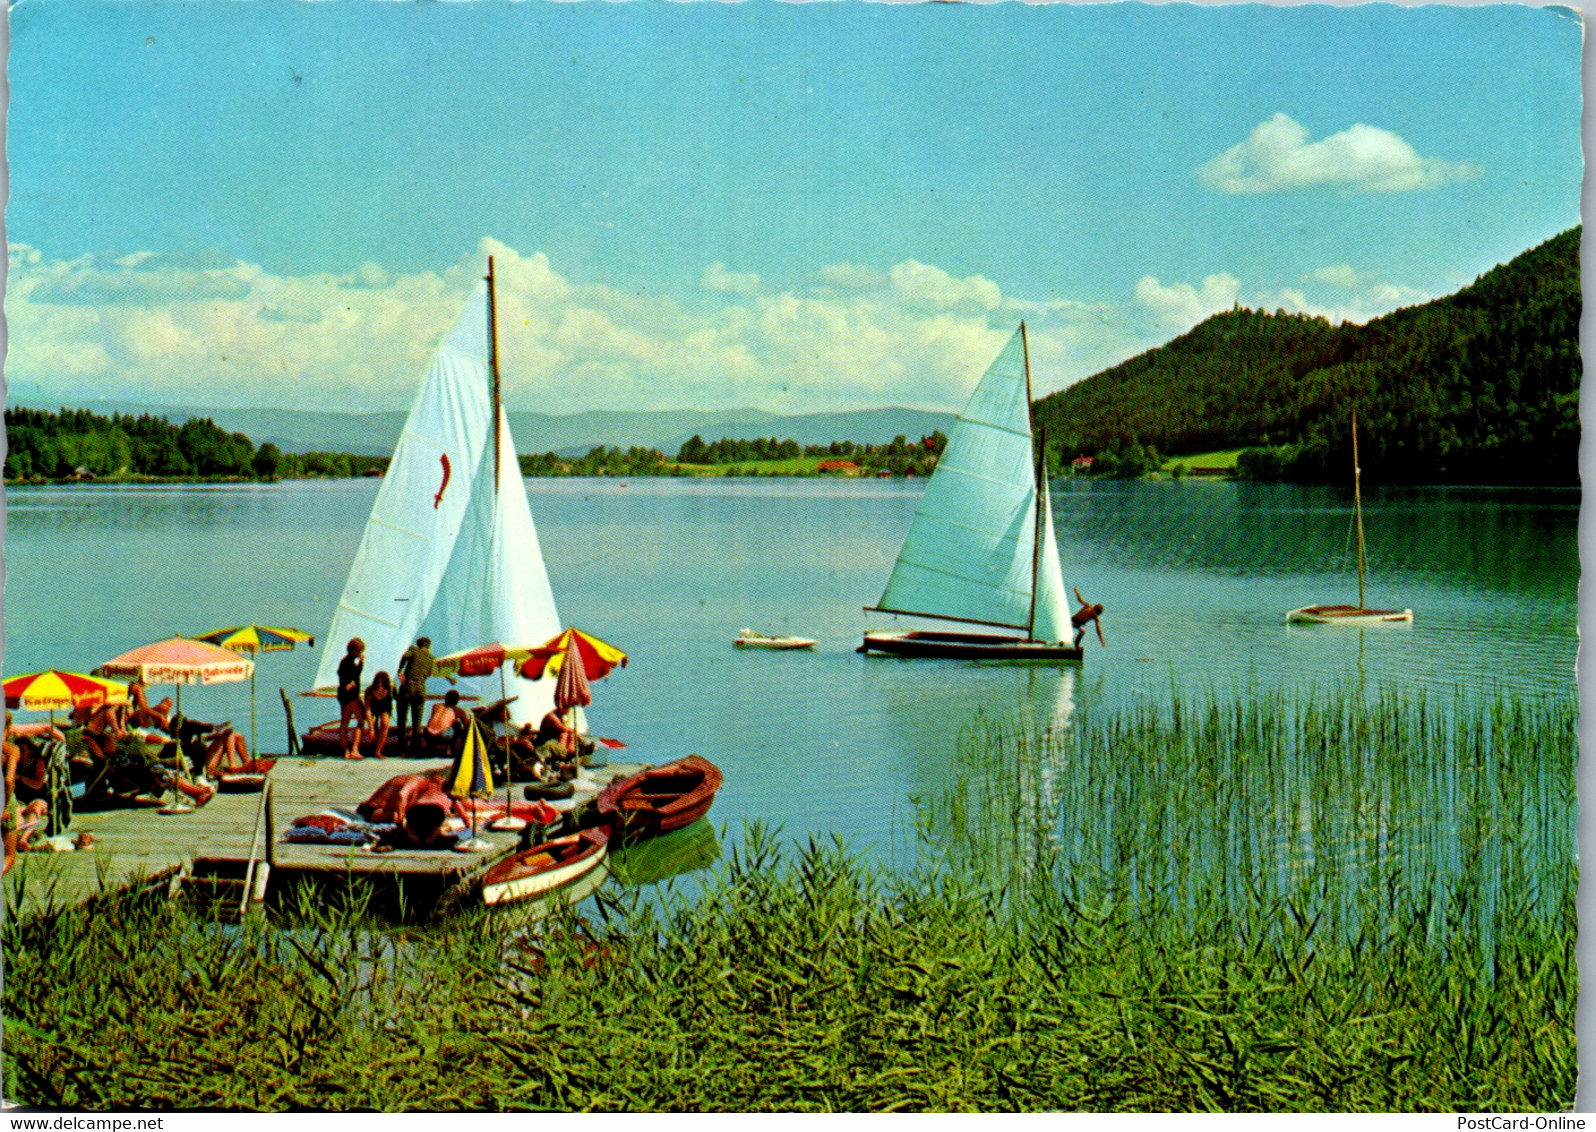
(1212, 906)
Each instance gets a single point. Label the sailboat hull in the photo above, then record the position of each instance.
(1347, 615)
(967, 646)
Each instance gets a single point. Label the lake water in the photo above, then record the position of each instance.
(1195, 578)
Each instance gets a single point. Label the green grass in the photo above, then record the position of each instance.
(1277, 903)
(796, 466)
(1225, 459)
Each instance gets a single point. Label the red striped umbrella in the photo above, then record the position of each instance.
(52, 690)
(481, 660)
(599, 658)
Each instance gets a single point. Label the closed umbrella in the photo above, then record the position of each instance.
(480, 661)
(254, 638)
(470, 776)
(571, 688)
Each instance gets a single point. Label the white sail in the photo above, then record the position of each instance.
(444, 554)
(971, 548)
(415, 521)
(1052, 619)
(496, 587)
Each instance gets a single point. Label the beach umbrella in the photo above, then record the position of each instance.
(571, 688)
(53, 690)
(470, 776)
(598, 657)
(179, 661)
(254, 638)
(481, 660)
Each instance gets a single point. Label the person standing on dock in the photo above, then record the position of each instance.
(415, 668)
(350, 704)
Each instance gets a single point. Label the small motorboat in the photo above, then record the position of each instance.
(546, 868)
(748, 639)
(662, 798)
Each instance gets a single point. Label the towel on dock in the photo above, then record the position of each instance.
(336, 827)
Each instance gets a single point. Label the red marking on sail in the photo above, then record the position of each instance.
(442, 487)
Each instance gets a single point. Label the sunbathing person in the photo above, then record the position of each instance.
(226, 753)
(140, 713)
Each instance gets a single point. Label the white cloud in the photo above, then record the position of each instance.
(1337, 275)
(924, 284)
(1278, 157)
(155, 329)
(852, 276)
(1180, 306)
(717, 278)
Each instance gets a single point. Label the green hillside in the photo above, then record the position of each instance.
(1479, 387)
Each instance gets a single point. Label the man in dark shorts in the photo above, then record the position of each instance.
(415, 667)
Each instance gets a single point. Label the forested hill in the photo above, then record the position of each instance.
(1479, 387)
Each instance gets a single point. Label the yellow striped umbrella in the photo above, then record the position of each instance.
(53, 690)
(254, 638)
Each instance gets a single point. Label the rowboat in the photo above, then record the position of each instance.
(748, 639)
(1351, 614)
(546, 868)
(981, 549)
(662, 798)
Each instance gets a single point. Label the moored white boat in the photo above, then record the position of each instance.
(1347, 615)
(1351, 614)
(748, 639)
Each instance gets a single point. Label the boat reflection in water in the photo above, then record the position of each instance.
(671, 854)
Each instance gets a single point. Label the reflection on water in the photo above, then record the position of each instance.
(668, 855)
(1196, 578)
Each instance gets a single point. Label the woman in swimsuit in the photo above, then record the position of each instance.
(379, 710)
(350, 705)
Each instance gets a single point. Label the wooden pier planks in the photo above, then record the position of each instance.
(141, 844)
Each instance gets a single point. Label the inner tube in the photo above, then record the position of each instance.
(535, 791)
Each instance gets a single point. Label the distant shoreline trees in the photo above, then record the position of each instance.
(80, 444)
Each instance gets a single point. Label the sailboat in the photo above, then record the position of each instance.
(1351, 614)
(981, 548)
(450, 551)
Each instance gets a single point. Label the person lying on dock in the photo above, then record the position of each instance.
(101, 719)
(140, 713)
(226, 753)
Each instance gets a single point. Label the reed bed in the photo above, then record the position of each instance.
(1272, 905)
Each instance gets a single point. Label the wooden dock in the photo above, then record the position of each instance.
(143, 847)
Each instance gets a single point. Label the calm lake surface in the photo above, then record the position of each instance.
(1196, 578)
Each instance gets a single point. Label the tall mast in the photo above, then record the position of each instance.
(1039, 455)
(493, 366)
(1357, 502)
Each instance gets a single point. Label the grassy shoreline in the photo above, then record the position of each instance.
(1139, 953)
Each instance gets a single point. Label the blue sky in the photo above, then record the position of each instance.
(801, 207)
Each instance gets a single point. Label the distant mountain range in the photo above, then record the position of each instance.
(375, 434)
